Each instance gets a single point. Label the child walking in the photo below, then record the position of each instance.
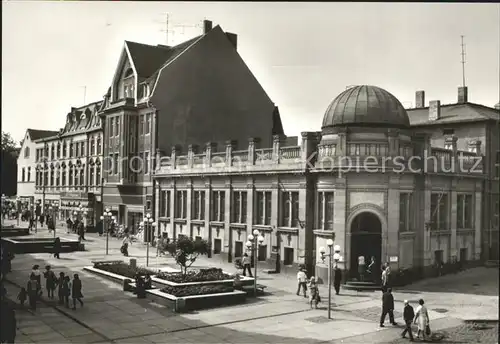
(23, 295)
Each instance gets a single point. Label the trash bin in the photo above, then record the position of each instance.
(126, 285)
(180, 305)
(133, 263)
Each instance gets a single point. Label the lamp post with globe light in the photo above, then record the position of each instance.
(333, 254)
(149, 224)
(106, 217)
(253, 244)
(3, 206)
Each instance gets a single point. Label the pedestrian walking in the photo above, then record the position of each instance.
(422, 321)
(50, 281)
(35, 273)
(408, 316)
(387, 307)
(60, 288)
(386, 278)
(32, 289)
(41, 219)
(76, 291)
(361, 268)
(246, 262)
(371, 267)
(66, 289)
(22, 296)
(302, 282)
(314, 297)
(57, 247)
(9, 322)
(69, 225)
(337, 279)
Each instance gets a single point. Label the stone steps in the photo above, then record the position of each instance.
(361, 286)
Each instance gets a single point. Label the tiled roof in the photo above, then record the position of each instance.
(454, 113)
(36, 134)
(91, 120)
(147, 59)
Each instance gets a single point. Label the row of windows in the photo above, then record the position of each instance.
(140, 164)
(75, 177)
(26, 174)
(71, 150)
(239, 203)
(144, 125)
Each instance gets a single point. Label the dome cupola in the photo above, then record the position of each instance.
(365, 106)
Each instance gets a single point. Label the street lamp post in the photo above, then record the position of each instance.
(18, 209)
(331, 256)
(105, 218)
(3, 206)
(253, 244)
(149, 224)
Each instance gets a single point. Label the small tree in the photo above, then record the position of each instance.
(185, 251)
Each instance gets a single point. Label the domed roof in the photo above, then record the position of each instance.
(366, 106)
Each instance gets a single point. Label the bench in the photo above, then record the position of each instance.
(249, 288)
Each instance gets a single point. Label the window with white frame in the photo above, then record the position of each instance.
(290, 209)
(325, 210)
(218, 205)
(405, 211)
(264, 207)
(199, 205)
(464, 211)
(439, 211)
(181, 204)
(239, 207)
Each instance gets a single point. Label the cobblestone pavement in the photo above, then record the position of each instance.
(486, 333)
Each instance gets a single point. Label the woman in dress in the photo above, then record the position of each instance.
(422, 320)
(313, 292)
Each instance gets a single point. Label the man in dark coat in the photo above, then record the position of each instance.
(408, 315)
(9, 322)
(387, 307)
(337, 279)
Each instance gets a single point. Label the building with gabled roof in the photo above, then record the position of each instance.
(67, 167)
(26, 164)
(193, 93)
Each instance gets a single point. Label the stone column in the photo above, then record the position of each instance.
(208, 209)
(173, 201)
(175, 152)
(453, 219)
(189, 206)
(230, 146)
(304, 198)
(393, 140)
(342, 233)
(275, 213)
(341, 148)
(427, 253)
(211, 147)
(308, 148)
(250, 203)
(277, 143)
(227, 219)
(390, 239)
(192, 150)
(476, 254)
(252, 146)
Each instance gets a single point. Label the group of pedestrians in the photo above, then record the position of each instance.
(63, 284)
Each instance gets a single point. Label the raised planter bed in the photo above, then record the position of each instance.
(40, 245)
(120, 268)
(9, 232)
(161, 279)
(196, 302)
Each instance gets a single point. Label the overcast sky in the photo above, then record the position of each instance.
(304, 54)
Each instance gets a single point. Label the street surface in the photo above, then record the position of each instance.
(111, 316)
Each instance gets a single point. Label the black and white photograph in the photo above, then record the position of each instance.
(250, 172)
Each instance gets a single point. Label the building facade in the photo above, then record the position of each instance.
(368, 180)
(68, 167)
(26, 166)
(197, 91)
(474, 128)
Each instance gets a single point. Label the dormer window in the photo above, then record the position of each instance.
(145, 90)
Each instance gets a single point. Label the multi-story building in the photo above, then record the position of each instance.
(474, 128)
(68, 166)
(26, 164)
(195, 92)
(369, 181)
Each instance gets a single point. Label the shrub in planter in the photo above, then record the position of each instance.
(123, 269)
(238, 264)
(185, 251)
(204, 275)
(201, 289)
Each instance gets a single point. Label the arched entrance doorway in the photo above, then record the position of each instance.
(366, 240)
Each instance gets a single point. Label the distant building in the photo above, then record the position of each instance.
(26, 165)
(68, 167)
(372, 180)
(198, 91)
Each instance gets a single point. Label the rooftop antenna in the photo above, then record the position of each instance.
(167, 30)
(463, 60)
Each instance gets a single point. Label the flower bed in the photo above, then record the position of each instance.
(192, 290)
(123, 269)
(203, 275)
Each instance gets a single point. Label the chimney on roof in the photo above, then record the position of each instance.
(420, 99)
(463, 96)
(207, 26)
(434, 110)
(233, 38)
